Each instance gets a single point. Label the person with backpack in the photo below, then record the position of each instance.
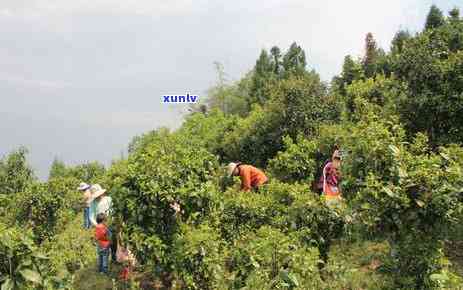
(251, 177)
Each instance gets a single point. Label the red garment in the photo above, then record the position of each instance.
(124, 274)
(331, 179)
(101, 235)
(251, 177)
(331, 174)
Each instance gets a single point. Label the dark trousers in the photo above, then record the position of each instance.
(113, 247)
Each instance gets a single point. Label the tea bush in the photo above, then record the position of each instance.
(171, 169)
(47, 207)
(71, 249)
(255, 138)
(270, 259)
(22, 265)
(15, 172)
(291, 208)
(199, 259)
(209, 130)
(244, 212)
(412, 206)
(297, 162)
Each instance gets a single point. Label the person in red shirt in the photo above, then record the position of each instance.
(103, 243)
(251, 177)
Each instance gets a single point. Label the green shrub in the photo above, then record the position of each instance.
(15, 172)
(47, 207)
(166, 170)
(315, 223)
(297, 162)
(255, 138)
(22, 265)
(431, 64)
(365, 144)
(413, 206)
(357, 265)
(297, 106)
(244, 212)
(199, 259)
(291, 208)
(71, 249)
(209, 130)
(270, 259)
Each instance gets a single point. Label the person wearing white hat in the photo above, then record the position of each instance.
(100, 203)
(87, 199)
(251, 177)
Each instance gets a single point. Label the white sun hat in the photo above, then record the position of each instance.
(231, 167)
(97, 191)
(83, 186)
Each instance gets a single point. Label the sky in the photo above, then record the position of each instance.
(80, 78)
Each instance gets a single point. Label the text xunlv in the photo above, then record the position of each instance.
(180, 98)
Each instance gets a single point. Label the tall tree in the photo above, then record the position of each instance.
(432, 66)
(220, 97)
(89, 172)
(15, 172)
(276, 59)
(351, 71)
(399, 40)
(294, 61)
(57, 169)
(230, 98)
(435, 18)
(263, 72)
(371, 55)
(454, 15)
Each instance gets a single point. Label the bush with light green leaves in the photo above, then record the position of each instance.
(199, 253)
(22, 265)
(413, 205)
(47, 207)
(71, 249)
(291, 208)
(297, 162)
(163, 171)
(271, 259)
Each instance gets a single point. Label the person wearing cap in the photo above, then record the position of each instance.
(251, 177)
(331, 177)
(87, 199)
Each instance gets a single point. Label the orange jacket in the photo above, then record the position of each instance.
(251, 177)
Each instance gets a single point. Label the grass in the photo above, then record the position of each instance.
(89, 279)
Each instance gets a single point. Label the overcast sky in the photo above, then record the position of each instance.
(80, 78)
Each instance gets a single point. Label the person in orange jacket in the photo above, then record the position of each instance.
(251, 177)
